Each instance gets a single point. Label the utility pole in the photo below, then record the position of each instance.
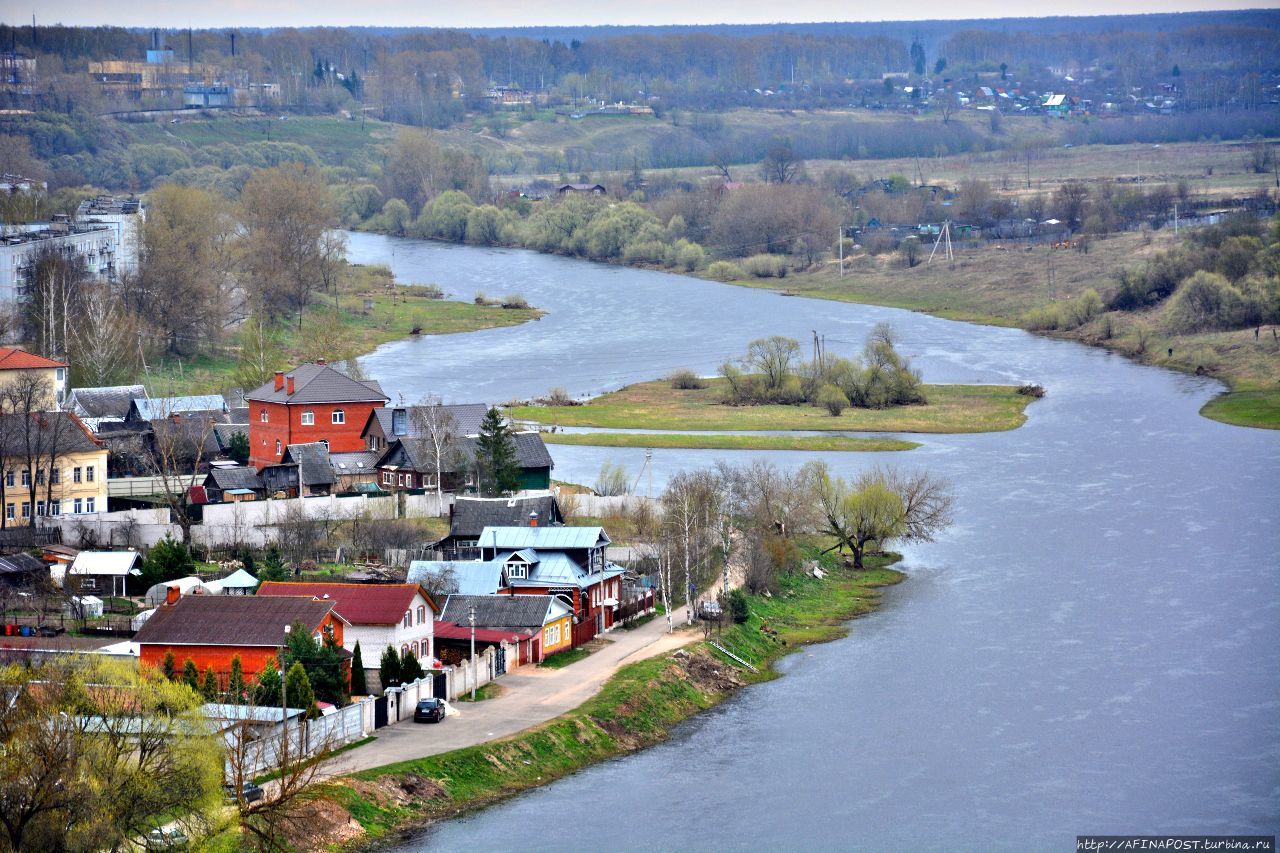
(1175, 219)
(471, 617)
(284, 710)
(840, 243)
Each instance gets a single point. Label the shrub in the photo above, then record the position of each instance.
(689, 256)
(515, 300)
(766, 266)
(685, 379)
(557, 396)
(1204, 302)
(725, 271)
(1030, 389)
(736, 606)
(832, 399)
(613, 480)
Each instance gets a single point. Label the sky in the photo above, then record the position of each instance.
(504, 13)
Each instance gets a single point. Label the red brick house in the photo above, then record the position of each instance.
(212, 629)
(311, 403)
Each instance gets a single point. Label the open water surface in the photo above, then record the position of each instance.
(1094, 647)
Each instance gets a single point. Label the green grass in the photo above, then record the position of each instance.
(485, 691)
(635, 708)
(336, 140)
(730, 442)
(656, 405)
(1246, 408)
(560, 660)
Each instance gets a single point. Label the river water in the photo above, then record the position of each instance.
(1094, 647)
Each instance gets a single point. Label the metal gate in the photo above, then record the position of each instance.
(379, 712)
(440, 686)
(500, 660)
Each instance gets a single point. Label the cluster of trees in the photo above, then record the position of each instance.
(771, 372)
(750, 519)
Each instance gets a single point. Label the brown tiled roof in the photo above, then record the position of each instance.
(231, 620)
(358, 603)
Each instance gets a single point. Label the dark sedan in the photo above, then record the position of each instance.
(429, 711)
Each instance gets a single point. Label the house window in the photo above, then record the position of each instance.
(8, 511)
(428, 481)
(400, 479)
(76, 507)
(55, 507)
(88, 583)
(88, 505)
(339, 416)
(55, 475)
(61, 374)
(8, 479)
(388, 478)
(262, 415)
(277, 447)
(517, 570)
(40, 477)
(551, 636)
(26, 478)
(76, 474)
(408, 619)
(39, 507)
(308, 418)
(26, 509)
(88, 473)
(422, 614)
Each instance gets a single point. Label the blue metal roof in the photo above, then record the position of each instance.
(474, 577)
(543, 538)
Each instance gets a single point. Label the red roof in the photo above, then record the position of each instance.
(358, 603)
(12, 358)
(451, 631)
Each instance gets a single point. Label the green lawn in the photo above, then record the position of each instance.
(1246, 408)
(656, 405)
(560, 660)
(730, 442)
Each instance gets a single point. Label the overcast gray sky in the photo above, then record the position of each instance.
(504, 13)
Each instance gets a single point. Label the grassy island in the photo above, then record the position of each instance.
(656, 405)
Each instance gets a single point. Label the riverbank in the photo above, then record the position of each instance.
(656, 405)
(636, 708)
(372, 310)
(1002, 286)
(693, 441)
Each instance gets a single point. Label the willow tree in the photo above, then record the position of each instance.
(880, 506)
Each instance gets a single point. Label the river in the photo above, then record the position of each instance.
(1092, 648)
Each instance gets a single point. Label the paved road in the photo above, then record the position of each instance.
(530, 696)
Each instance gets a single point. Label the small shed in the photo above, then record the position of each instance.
(83, 607)
(238, 582)
(100, 572)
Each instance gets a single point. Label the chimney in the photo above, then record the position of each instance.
(320, 361)
(533, 518)
(289, 384)
(172, 594)
(279, 380)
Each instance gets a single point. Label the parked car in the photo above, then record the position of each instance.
(429, 711)
(251, 792)
(159, 839)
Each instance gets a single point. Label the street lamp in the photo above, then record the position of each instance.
(471, 617)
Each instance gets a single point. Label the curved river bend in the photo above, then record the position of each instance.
(1091, 649)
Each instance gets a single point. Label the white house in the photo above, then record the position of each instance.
(400, 615)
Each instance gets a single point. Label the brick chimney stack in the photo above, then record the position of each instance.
(172, 594)
(279, 380)
(289, 385)
(533, 519)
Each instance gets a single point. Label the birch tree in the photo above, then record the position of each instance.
(103, 340)
(437, 430)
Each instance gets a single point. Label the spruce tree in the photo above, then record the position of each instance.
(266, 688)
(170, 665)
(410, 669)
(191, 675)
(209, 687)
(235, 683)
(389, 671)
(298, 691)
(359, 685)
(496, 457)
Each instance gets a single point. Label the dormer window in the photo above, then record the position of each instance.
(517, 569)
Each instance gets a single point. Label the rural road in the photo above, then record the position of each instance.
(530, 696)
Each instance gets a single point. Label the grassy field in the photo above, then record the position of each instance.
(636, 708)
(338, 141)
(656, 405)
(729, 442)
(560, 660)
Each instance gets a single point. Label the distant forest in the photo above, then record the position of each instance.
(435, 77)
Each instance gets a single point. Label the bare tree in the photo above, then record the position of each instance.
(35, 438)
(881, 506)
(104, 338)
(780, 164)
(175, 454)
(686, 510)
(437, 431)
